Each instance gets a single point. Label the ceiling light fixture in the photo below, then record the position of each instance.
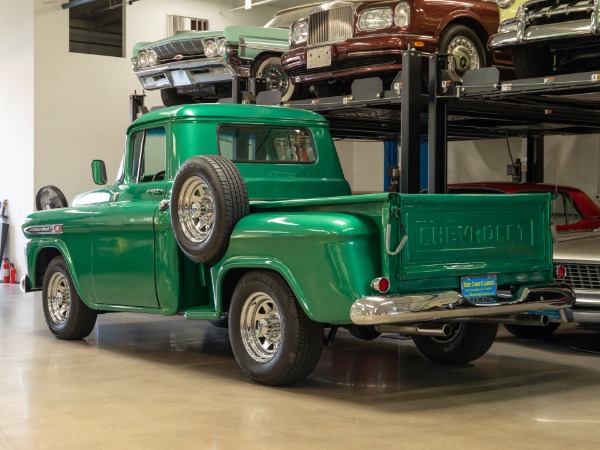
(248, 4)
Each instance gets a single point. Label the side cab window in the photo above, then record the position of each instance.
(148, 155)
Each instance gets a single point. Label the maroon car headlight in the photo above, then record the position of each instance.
(299, 32)
(402, 14)
(375, 19)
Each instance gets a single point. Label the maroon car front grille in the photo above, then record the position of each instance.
(345, 64)
(582, 276)
(331, 25)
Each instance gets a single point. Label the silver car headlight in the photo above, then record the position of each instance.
(504, 3)
(143, 59)
(152, 57)
(222, 47)
(402, 14)
(375, 19)
(299, 33)
(210, 48)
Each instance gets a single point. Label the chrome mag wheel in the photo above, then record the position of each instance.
(59, 298)
(261, 327)
(196, 207)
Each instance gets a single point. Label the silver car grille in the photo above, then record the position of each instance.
(184, 47)
(582, 276)
(330, 26)
(541, 12)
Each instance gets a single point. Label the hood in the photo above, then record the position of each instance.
(581, 246)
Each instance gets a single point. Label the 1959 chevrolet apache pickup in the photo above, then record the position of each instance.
(242, 211)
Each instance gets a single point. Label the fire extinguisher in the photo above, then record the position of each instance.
(13, 274)
(6, 270)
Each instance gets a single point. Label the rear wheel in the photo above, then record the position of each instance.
(467, 342)
(66, 315)
(534, 332)
(274, 342)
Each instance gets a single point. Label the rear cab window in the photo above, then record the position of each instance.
(253, 143)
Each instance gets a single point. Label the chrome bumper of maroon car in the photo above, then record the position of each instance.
(378, 310)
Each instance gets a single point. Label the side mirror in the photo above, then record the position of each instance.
(99, 172)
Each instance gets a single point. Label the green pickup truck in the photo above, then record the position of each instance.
(241, 213)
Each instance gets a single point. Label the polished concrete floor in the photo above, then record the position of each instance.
(147, 382)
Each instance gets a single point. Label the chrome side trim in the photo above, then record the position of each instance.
(377, 310)
(44, 229)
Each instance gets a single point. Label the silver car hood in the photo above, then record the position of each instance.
(578, 246)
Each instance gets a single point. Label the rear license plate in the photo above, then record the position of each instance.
(318, 57)
(480, 286)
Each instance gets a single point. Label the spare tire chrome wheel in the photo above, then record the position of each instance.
(208, 198)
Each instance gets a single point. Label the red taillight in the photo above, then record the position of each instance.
(381, 285)
(561, 272)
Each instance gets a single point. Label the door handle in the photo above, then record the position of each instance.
(155, 191)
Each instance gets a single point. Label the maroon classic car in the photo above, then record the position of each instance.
(343, 40)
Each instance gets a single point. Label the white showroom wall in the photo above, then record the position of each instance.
(82, 101)
(16, 120)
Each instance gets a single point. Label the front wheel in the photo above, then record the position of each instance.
(66, 315)
(531, 62)
(271, 70)
(274, 342)
(465, 48)
(467, 342)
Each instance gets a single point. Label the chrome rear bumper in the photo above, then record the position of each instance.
(185, 73)
(379, 310)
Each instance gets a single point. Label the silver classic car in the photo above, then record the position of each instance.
(549, 36)
(199, 66)
(576, 263)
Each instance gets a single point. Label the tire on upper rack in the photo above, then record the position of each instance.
(208, 198)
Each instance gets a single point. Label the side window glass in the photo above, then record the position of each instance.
(148, 155)
(563, 210)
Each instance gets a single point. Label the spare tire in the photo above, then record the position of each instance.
(209, 197)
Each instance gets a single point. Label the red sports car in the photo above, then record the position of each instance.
(572, 209)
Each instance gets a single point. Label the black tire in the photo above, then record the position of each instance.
(530, 62)
(271, 70)
(66, 315)
(365, 333)
(467, 342)
(222, 322)
(50, 197)
(209, 197)
(170, 97)
(466, 48)
(528, 331)
(274, 342)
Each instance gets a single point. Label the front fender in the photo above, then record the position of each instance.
(327, 259)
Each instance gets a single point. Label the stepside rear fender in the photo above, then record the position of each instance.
(328, 259)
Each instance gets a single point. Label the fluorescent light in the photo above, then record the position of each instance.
(248, 4)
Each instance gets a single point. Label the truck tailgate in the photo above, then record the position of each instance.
(460, 235)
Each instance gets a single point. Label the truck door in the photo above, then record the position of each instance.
(123, 244)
